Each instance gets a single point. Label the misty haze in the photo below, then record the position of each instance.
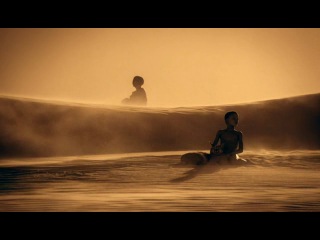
(99, 119)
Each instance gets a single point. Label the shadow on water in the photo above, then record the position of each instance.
(201, 170)
(197, 170)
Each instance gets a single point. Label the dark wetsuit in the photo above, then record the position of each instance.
(229, 140)
(138, 97)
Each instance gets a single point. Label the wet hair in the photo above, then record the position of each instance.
(228, 114)
(137, 80)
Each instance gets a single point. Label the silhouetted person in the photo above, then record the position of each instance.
(230, 140)
(138, 97)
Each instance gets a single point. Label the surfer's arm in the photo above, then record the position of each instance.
(240, 148)
(216, 140)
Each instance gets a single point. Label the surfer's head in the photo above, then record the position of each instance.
(137, 82)
(231, 118)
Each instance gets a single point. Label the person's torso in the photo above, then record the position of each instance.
(229, 141)
(139, 96)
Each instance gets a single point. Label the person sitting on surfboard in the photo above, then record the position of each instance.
(231, 142)
(138, 97)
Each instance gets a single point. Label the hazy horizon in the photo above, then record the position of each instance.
(44, 129)
(98, 104)
(181, 67)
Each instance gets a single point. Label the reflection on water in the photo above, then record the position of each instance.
(279, 181)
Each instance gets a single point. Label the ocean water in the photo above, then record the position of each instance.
(154, 181)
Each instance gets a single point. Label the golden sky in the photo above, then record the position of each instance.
(181, 67)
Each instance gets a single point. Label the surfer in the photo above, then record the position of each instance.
(138, 97)
(231, 142)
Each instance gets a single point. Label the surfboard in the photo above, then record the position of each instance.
(195, 158)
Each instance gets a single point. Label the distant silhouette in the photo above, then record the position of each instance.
(231, 144)
(138, 97)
